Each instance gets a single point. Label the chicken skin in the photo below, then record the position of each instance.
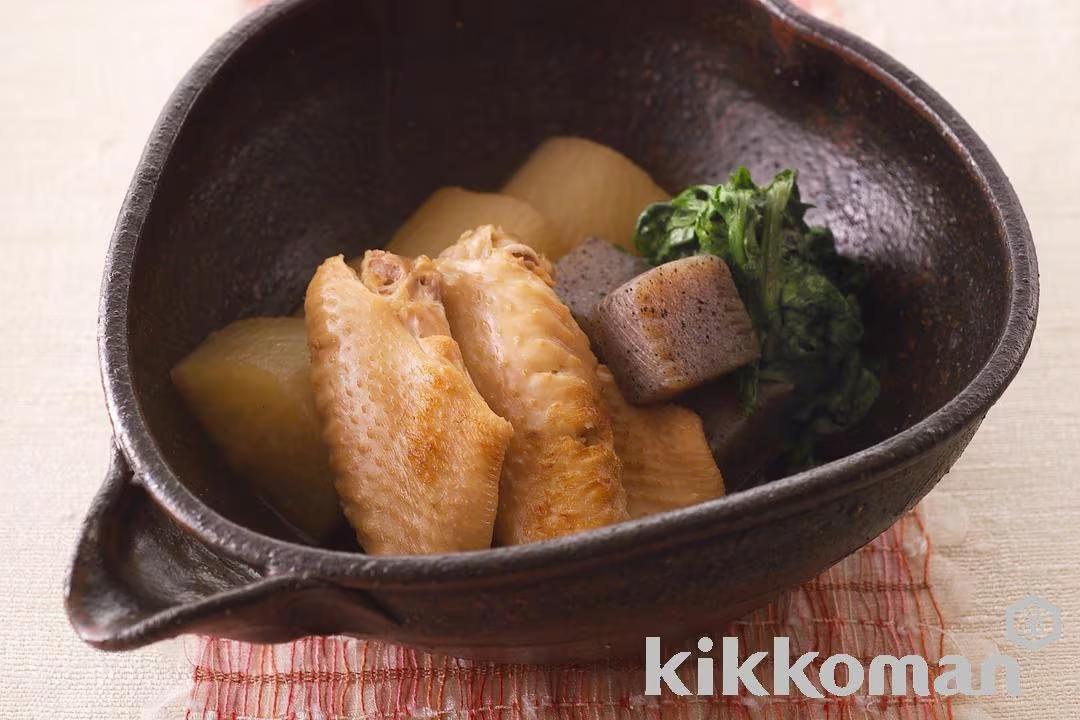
(415, 451)
(666, 460)
(533, 365)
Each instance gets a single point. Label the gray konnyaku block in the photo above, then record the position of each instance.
(675, 327)
(589, 272)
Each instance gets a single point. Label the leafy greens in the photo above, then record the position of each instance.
(799, 292)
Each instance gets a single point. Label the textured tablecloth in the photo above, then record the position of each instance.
(80, 85)
(882, 600)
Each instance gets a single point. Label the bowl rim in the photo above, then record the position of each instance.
(746, 508)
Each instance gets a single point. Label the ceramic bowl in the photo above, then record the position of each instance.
(315, 126)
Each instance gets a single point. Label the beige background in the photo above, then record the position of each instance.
(80, 85)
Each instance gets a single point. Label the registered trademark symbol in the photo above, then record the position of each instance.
(1032, 623)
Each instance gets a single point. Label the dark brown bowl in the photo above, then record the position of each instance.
(315, 126)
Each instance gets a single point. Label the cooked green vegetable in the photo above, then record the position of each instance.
(801, 295)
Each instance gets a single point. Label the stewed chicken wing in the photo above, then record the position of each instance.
(666, 460)
(415, 450)
(533, 365)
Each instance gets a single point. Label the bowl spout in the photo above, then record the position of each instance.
(138, 577)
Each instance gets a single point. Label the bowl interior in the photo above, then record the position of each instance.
(322, 133)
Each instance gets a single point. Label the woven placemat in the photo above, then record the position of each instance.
(878, 601)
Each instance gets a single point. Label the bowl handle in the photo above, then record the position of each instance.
(138, 577)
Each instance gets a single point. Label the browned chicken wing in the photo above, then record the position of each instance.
(533, 365)
(416, 452)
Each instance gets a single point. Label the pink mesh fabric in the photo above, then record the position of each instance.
(877, 601)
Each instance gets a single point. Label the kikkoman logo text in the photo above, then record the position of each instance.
(1032, 623)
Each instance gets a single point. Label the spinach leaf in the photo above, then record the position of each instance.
(800, 293)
